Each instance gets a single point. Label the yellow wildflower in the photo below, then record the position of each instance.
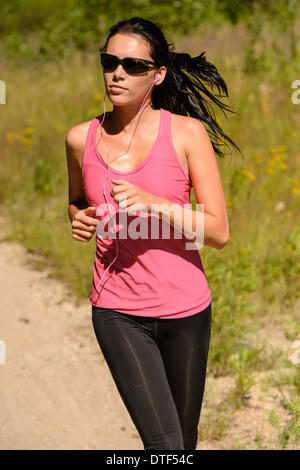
(29, 131)
(26, 141)
(249, 175)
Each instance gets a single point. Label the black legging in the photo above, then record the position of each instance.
(159, 367)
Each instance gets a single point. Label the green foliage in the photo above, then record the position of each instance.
(236, 10)
(43, 30)
(243, 367)
(289, 432)
(179, 16)
(97, 15)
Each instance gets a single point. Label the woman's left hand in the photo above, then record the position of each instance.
(132, 198)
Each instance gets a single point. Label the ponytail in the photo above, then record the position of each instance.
(189, 90)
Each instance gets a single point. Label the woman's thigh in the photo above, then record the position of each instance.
(138, 370)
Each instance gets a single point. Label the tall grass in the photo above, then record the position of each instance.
(257, 274)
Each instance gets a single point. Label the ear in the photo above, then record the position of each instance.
(160, 76)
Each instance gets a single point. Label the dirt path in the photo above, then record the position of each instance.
(57, 393)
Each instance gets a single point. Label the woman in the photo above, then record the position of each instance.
(131, 170)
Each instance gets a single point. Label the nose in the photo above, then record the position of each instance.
(119, 73)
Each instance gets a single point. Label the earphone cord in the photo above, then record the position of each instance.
(106, 178)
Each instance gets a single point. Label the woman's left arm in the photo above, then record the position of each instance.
(207, 184)
(208, 226)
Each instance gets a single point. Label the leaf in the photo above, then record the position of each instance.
(274, 420)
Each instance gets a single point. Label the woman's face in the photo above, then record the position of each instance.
(121, 88)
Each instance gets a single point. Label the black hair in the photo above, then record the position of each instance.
(189, 86)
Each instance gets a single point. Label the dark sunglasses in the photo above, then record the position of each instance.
(131, 65)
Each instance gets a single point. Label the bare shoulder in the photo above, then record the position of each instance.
(187, 124)
(77, 135)
(75, 142)
(189, 135)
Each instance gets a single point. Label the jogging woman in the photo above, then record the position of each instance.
(131, 172)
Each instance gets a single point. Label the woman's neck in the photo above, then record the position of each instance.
(123, 118)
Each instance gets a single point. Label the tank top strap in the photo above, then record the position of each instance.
(171, 155)
(166, 130)
(165, 122)
(90, 138)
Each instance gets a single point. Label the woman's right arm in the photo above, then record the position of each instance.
(82, 217)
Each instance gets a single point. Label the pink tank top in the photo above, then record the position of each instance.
(154, 274)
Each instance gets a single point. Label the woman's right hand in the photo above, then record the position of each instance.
(84, 224)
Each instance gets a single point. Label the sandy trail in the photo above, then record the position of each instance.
(56, 391)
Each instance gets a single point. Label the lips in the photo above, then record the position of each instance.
(116, 88)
